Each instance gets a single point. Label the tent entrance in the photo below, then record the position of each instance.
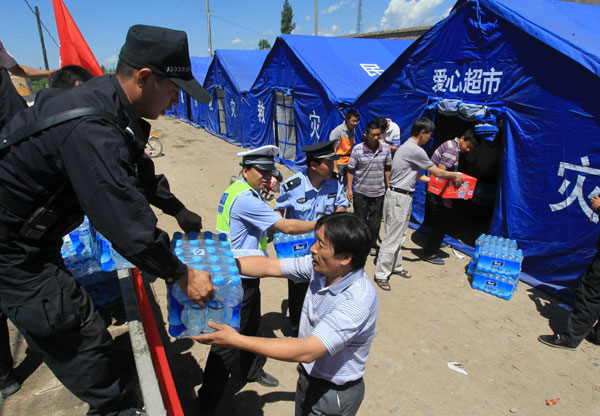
(471, 217)
(284, 126)
(221, 111)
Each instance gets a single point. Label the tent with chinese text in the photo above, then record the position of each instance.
(308, 82)
(189, 109)
(528, 70)
(228, 80)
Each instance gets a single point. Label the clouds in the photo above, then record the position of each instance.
(335, 7)
(409, 13)
(335, 30)
(236, 41)
(110, 62)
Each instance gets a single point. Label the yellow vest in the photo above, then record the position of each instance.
(229, 196)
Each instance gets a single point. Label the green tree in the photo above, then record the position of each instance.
(287, 15)
(264, 44)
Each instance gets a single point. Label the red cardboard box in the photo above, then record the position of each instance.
(446, 189)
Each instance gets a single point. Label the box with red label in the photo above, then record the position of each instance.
(446, 189)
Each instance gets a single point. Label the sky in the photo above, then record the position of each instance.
(235, 24)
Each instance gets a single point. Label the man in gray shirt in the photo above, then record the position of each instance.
(397, 206)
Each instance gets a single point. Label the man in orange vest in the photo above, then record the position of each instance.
(344, 137)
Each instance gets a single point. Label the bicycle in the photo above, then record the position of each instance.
(154, 146)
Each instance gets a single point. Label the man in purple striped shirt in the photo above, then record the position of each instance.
(369, 172)
(445, 157)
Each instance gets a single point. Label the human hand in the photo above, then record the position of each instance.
(349, 195)
(188, 220)
(197, 286)
(458, 180)
(595, 202)
(224, 336)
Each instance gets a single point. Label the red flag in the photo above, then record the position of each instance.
(74, 50)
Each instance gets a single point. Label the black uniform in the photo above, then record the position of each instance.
(107, 177)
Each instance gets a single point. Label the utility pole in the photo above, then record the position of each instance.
(316, 17)
(39, 23)
(359, 18)
(210, 54)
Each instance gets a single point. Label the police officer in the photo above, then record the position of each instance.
(245, 217)
(307, 196)
(94, 165)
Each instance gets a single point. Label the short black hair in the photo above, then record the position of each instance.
(422, 124)
(68, 76)
(470, 137)
(351, 113)
(348, 234)
(124, 70)
(372, 126)
(382, 121)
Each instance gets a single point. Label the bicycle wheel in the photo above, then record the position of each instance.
(154, 147)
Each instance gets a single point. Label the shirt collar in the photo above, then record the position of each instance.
(368, 149)
(344, 282)
(140, 127)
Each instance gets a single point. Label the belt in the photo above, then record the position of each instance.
(327, 383)
(401, 191)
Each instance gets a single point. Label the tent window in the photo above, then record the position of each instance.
(285, 126)
(221, 112)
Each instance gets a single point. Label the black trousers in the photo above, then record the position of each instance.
(221, 360)
(585, 316)
(296, 294)
(439, 216)
(370, 209)
(6, 361)
(58, 320)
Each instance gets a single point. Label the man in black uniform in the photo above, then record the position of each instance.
(94, 165)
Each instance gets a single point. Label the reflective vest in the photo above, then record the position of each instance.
(229, 196)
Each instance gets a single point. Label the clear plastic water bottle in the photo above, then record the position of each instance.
(194, 318)
(215, 309)
(235, 293)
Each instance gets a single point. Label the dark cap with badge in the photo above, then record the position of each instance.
(165, 52)
(321, 151)
(262, 158)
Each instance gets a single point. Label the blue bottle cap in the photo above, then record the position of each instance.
(230, 261)
(229, 253)
(177, 235)
(193, 242)
(178, 251)
(208, 235)
(218, 280)
(213, 259)
(181, 259)
(224, 244)
(211, 251)
(198, 267)
(236, 279)
(209, 243)
(193, 235)
(222, 236)
(178, 243)
(233, 270)
(197, 259)
(216, 269)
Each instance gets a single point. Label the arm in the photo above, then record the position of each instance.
(259, 266)
(305, 350)
(455, 176)
(27, 72)
(290, 226)
(422, 178)
(447, 202)
(386, 174)
(350, 176)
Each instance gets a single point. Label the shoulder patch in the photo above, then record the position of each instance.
(289, 185)
(332, 195)
(301, 200)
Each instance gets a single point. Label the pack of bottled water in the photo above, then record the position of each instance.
(212, 253)
(496, 265)
(108, 258)
(288, 246)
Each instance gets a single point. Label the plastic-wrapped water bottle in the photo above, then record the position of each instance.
(215, 309)
(235, 293)
(194, 318)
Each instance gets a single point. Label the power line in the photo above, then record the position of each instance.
(43, 25)
(235, 24)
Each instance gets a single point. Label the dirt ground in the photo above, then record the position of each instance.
(424, 323)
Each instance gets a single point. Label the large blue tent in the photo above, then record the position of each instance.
(228, 80)
(532, 68)
(308, 82)
(188, 109)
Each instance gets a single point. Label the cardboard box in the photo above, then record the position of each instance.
(446, 189)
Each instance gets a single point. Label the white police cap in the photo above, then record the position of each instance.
(262, 157)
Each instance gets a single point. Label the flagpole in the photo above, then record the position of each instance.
(39, 23)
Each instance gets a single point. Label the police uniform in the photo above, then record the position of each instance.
(93, 165)
(245, 217)
(300, 200)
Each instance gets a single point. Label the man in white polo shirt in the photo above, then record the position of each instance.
(337, 325)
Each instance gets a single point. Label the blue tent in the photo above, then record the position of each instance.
(228, 80)
(188, 109)
(307, 83)
(198, 110)
(531, 68)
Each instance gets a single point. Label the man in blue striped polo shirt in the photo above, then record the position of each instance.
(445, 157)
(369, 172)
(337, 325)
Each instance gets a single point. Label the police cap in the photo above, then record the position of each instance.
(321, 150)
(261, 158)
